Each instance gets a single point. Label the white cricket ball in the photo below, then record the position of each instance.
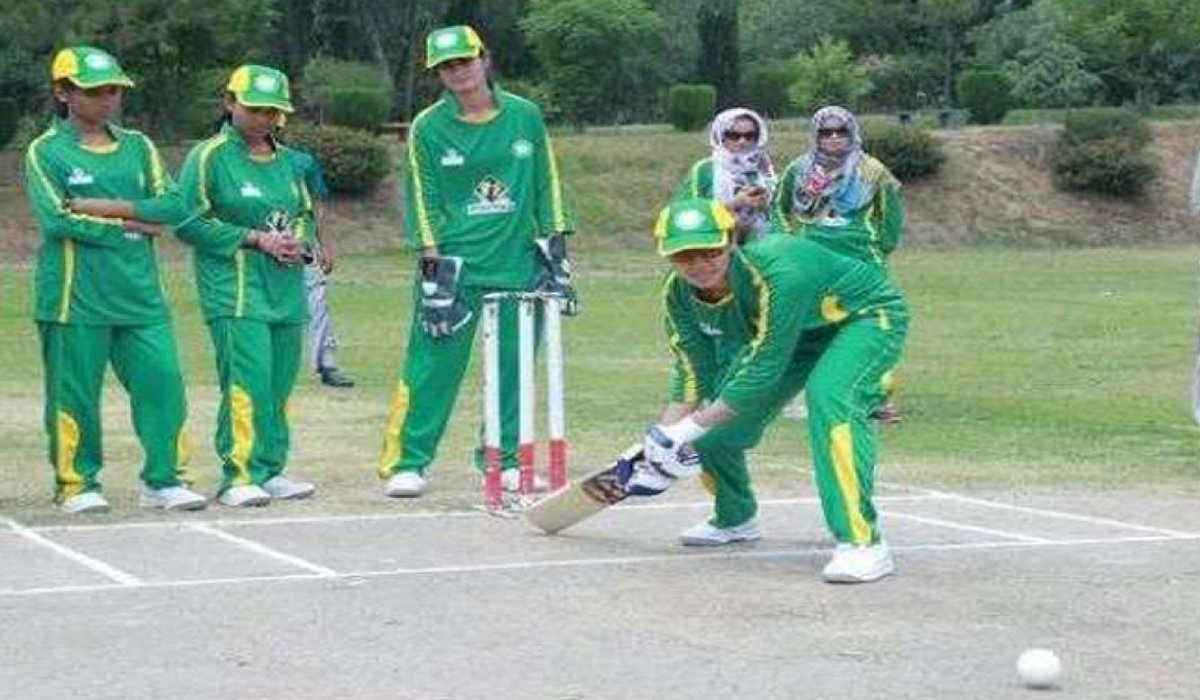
(1038, 668)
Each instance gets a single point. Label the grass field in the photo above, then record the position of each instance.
(1025, 370)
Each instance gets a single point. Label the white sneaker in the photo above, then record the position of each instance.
(705, 534)
(171, 498)
(244, 497)
(284, 489)
(858, 563)
(86, 502)
(511, 479)
(407, 484)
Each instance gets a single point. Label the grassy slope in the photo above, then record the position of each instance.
(995, 188)
(1025, 369)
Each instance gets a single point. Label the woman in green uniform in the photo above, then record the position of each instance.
(250, 223)
(841, 197)
(749, 328)
(485, 211)
(739, 173)
(99, 296)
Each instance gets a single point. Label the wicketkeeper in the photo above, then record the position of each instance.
(485, 211)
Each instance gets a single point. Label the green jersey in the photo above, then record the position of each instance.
(229, 192)
(484, 191)
(783, 290)
(869, 233)
(90, 270)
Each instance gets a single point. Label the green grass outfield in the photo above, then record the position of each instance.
(1039, 369)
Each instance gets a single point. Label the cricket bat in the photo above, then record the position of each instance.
(580, 500)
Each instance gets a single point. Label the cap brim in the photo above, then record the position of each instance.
(255, 102)
(101, 82)
(678, 244)
(469, 53)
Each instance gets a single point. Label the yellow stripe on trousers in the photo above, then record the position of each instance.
(70, 481)
(241, 416)
(391, 435)
(841, 444)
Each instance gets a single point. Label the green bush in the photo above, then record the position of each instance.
(690, 107)
(1103, 151)
(765, 88)
(355, 162)
(986, 93)
(346, 93)
(357, 108)
(909, 152)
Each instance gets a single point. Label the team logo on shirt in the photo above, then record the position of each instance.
(79, 176)
(710, 330)
(452, 158)
(491, 197)
(522, 148)
(249, 189)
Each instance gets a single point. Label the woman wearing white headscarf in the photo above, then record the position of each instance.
(838, 195)
(739, 173)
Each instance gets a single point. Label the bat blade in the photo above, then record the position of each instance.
(584, 498)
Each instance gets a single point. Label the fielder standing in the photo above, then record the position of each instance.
(485, 211)
(749, 328)
(98, 291)
(251, 227)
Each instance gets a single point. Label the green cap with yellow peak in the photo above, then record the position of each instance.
(88, 67)
(261, 86)
(693, 224)
(448, 43)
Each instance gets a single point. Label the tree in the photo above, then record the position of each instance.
(827, 74)
(170, 49)
(1145, 51)
(599, 57)
(1049, 72)
(718, 64)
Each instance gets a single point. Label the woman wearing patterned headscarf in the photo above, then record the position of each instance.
(739, 173)
(838, 195)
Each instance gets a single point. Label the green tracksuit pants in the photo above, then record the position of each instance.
(146, 362)
(845, 375)
(429, 384)
(257, 364)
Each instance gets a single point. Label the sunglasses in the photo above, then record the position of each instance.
(840, 131)
(740, 136)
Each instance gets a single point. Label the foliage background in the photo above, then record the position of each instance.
(612, 61)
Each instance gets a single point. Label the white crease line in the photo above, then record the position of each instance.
(805, 500)
(106, 570)
(1065, 515)
(426, 515)
(605, 562)
(968, 528)
(259, 548)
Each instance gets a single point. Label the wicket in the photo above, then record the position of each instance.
(528, 304)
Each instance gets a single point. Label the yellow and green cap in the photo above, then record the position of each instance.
(447, 43)
(260, 86)
(88, 67)
(693, 224)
